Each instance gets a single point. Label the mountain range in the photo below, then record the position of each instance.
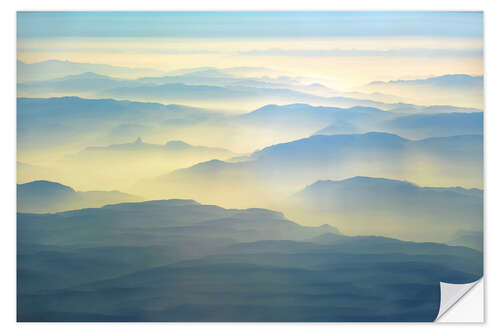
(306, 251)
(393, 207)
(170, 147)
(44, 122)
(54, 69)
(205, 88)
(167, 261)
(416, 126)
(121, 165)
(285, 168)
(456, 89)
(219, 88)
(461, 81)
(296, 115)
(53, 122)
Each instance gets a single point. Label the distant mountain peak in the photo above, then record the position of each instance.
(45, 185)
(325, 142)
(210, 164)
(380, 185)
(316, 85)
(89, 75)
(44, 196)
(177, 144)
(138, 141)
(286, 106)
(84, 76)
(362, 180)
(448, 78)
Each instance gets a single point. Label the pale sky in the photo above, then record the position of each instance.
(343, 50)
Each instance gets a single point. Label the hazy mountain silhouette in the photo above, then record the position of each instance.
(370, 203)
(418, 126)
(236, 78)
(240, 71)
(57, 109)
(383, 151)
(52, 69)
(85, 83)
(43, 196)
(442, 124)
(209, 85)
(269, 176)
(200, 87)
(122, 165)
(213, 95)
(412, 108)
(323, 156)
(177, 260)
(171, 146)
(171, 218)
(296, 115)
(461, 81)
(305, 120)
(456, 89)
(46, 122)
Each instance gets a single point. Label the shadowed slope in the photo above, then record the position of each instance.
(177, 260)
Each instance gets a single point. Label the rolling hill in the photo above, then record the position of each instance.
(177, 260)
(43, 197)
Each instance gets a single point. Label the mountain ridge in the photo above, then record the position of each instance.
(46, 196)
